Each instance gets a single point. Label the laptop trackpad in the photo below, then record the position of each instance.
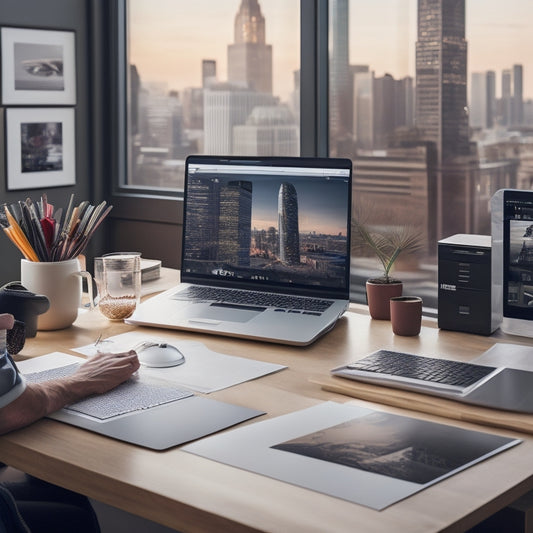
(219, 312)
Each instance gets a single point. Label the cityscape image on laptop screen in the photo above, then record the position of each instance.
(279, 225)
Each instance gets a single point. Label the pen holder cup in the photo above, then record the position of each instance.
(61, 283)
(118, 281)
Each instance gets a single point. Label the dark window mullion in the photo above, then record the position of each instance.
(314, 78)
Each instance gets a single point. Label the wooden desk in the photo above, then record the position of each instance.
(190, 493)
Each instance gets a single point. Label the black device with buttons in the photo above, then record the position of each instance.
(465, 301)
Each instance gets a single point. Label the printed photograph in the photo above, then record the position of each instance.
(41, 146)
(395, 446)
(38, 67)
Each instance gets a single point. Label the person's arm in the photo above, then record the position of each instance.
(99, 374)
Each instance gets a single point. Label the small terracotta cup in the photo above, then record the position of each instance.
(406, 315)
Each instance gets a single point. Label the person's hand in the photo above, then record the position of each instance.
(97, 375)
(105, 371)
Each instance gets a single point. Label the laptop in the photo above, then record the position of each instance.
(265, 249)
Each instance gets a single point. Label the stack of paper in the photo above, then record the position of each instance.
(150, 269)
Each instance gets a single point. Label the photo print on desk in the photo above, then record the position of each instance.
(350, 452)
(396, 446)
(38, 67)
(40, 147)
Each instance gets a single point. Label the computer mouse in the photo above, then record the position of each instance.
(160, 355)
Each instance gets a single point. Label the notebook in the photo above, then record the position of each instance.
(139, 410)
(265, 249)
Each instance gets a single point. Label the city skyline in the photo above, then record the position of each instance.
(221, 237)
(382, 36)
(421, 121)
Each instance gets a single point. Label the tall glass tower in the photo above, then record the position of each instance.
(507, 97)
(289, 233)
(441, 79)
(202, 231)
(235, 223)
(518, 96)
(340, 78)
(249, 57)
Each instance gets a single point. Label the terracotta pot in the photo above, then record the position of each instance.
(406, 315)
(378, 296)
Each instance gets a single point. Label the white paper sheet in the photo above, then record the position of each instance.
(393, 445)
(203, 371)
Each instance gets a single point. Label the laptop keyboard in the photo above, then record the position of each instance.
(281, 302)
(403, 367)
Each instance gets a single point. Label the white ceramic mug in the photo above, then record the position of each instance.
(61, 283)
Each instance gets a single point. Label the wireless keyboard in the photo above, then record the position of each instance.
(416, 372)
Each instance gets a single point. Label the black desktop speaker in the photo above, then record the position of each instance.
(465, 300)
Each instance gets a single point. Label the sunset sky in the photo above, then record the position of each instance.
(169, 43)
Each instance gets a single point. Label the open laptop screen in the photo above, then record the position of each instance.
(280, 224)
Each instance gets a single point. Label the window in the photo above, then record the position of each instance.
(432, 100)
(210, 76)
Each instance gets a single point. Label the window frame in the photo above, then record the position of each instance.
(144, 203)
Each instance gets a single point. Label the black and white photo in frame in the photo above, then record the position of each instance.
(40, 147)
(38, 67)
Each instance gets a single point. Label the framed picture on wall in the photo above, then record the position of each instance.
(38, 67)
(40, 147)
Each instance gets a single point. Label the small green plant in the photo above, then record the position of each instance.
(388, 245)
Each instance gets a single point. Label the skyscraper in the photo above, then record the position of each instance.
(507, 98)
(220, 219)
(384, 110)
(202, 231)
(340, 77)
(209, 72)
(289, 233)
(517, 115)
(249, 57)
(441, 99)
(482, 99)
(269, 131)
(226, 106)
(235, 223)
(491, 98)
(363, 109)
(478, 100)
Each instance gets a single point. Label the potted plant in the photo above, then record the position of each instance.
(387, 247)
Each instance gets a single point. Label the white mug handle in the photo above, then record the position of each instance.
(87, 276)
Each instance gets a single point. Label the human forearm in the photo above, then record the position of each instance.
(99, 374)
(37, 401)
